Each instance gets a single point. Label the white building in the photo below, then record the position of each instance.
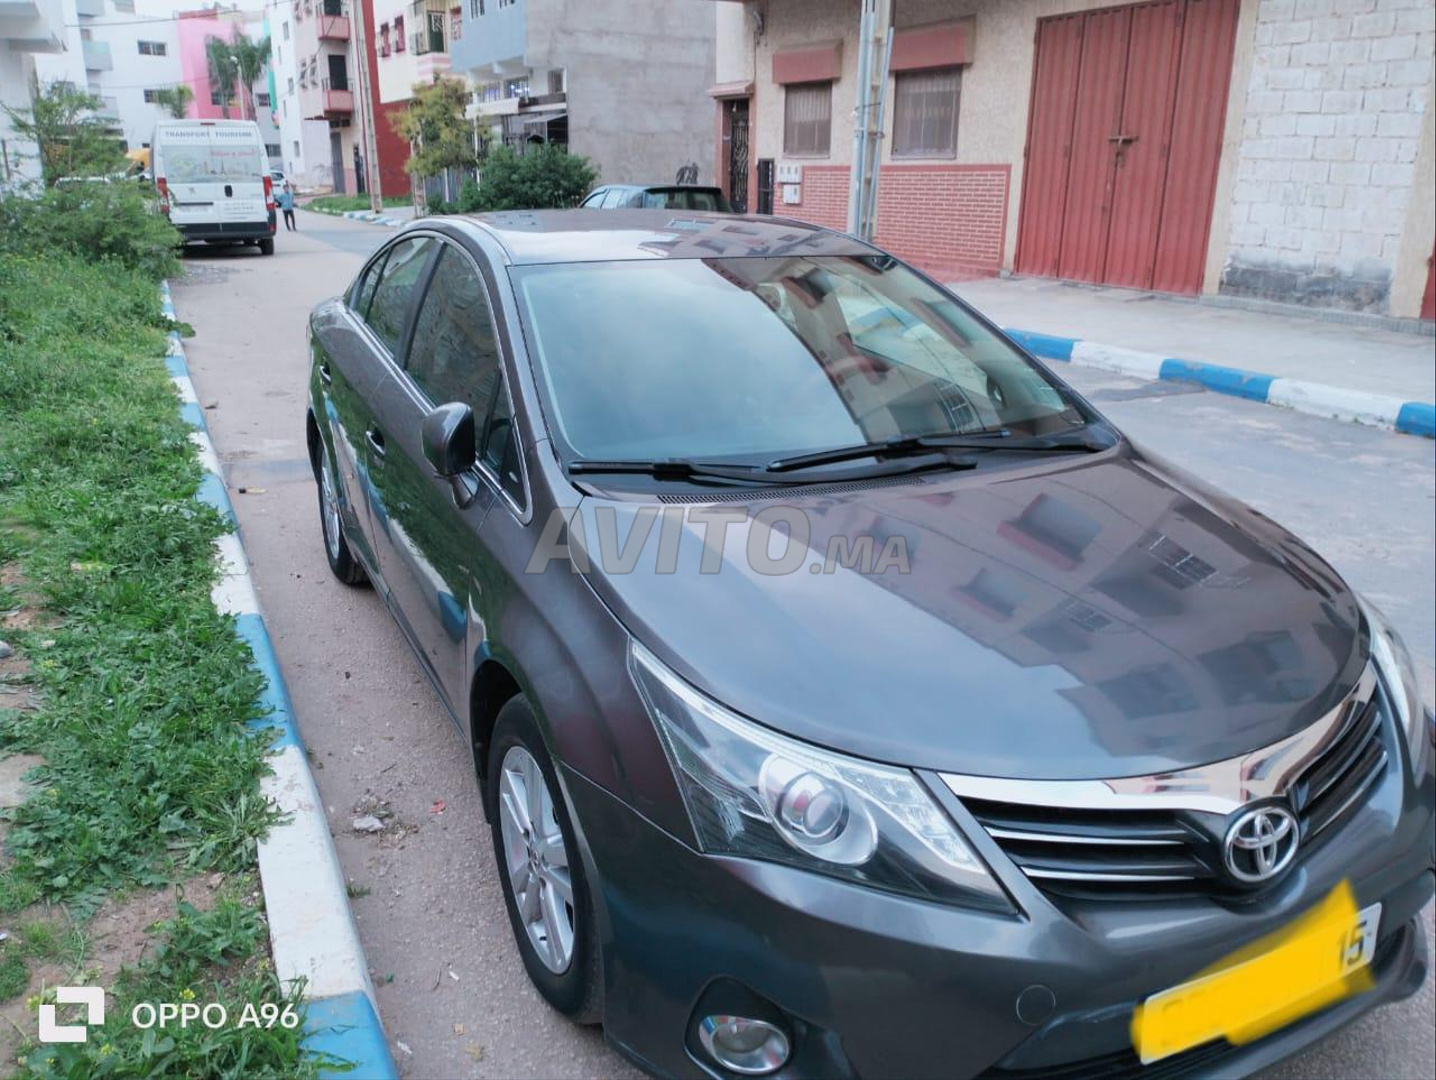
(303, 142)
(28, 28)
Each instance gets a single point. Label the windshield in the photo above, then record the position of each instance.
(201, 163)
(749, 358)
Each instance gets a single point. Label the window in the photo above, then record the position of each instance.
(296, 145)
(555, 82)
(152, 48)
(216, 98)
(284, 29)
(454, 355)
(390, 302)
(476, 8)
(127, 7)
(398, 33)
(499, 448)
(261, 101)
(595, 200)
(272, 150)
(291, 84)
(516, 87)
(152, 97)
(925, 112)
(808, 119)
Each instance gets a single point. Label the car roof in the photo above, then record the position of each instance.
(563, 236)
(656, 187)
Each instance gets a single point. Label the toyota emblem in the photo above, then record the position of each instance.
(1261, 844)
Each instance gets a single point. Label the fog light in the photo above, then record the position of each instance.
(743, 1045)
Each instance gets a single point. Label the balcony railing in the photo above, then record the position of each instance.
(333, 28)
(97, 55)
(338, 98)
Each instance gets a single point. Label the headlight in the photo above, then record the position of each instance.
(1398, 675)
(754, 793)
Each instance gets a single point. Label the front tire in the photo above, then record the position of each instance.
(336, 549)
(545, 888)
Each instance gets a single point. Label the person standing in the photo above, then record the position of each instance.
(286, 203)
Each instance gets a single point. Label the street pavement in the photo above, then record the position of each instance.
(452, 994)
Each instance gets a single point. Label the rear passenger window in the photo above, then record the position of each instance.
(454, 356)
(390, 302)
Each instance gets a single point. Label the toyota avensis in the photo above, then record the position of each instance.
(848, 696)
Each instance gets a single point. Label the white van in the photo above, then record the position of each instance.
(213, 180)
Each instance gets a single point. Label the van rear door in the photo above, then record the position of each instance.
(214, 173)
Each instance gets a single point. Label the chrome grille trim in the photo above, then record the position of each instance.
(1219, 788)
(1095, 836)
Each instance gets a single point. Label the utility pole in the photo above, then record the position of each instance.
(359, 34)
(875, 42)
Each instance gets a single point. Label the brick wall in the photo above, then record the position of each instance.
(825, 197)
(1328, 149)
(948, 220)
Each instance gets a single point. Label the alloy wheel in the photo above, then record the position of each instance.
(536, 859)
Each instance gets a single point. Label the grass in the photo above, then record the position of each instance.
(143, 689)
(337, 204)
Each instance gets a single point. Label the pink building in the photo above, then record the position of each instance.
(194, 29)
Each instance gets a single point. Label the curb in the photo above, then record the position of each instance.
(311, 928)
(1319, 399)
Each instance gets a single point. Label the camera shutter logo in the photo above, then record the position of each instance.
(92, 997)
(1261, 843)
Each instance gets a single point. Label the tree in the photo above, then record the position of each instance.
(251, 59)
(440, 137)
(175, 99)
(222, 71)
(543, 177)
(74, 140)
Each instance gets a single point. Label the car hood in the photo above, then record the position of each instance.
(1078, 618)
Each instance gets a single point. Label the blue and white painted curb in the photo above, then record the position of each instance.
(1319, 399)
(373, 218)
(311, 929)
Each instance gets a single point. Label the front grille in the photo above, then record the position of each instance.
(1122, 848)
(1339, 779)
(1132, 853)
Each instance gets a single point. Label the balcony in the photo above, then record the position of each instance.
(333, 27)
(97, 55)
(338, 98)
(90, 7)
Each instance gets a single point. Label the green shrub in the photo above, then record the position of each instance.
(542, 178)
(469, 198)
(118, 222)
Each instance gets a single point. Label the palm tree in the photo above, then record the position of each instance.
(175, 99)
(251, 59)
(221, 71)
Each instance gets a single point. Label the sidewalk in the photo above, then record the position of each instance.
(1277, 357)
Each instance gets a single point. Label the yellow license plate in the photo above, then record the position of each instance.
(1318, 960)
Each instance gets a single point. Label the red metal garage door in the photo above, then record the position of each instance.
(1123, 143)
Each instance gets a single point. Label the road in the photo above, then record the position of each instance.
(452, 994)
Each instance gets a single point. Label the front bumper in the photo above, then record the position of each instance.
(881, 985)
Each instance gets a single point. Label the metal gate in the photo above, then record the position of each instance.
(1123, 143)
(738, 154)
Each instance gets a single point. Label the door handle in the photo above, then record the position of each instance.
(325, 375)
(376, 440)
(1121, 140)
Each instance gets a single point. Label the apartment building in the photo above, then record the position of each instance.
(1269, 150)
(28, 28)
(322, 35)
(304, 145)
(620, 81)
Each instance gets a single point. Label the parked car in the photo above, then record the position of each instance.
(214, 181)
(1093, 729)
(657, 197)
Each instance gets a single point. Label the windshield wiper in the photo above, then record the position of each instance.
(674, 469)
(927, 444)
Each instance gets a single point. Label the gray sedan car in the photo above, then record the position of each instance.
(848, 696)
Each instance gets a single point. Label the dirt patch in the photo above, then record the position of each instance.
(89, 953)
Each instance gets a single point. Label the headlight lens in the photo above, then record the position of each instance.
(1398, 674)
(754, 793)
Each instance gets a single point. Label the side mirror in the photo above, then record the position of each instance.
(447, 435)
